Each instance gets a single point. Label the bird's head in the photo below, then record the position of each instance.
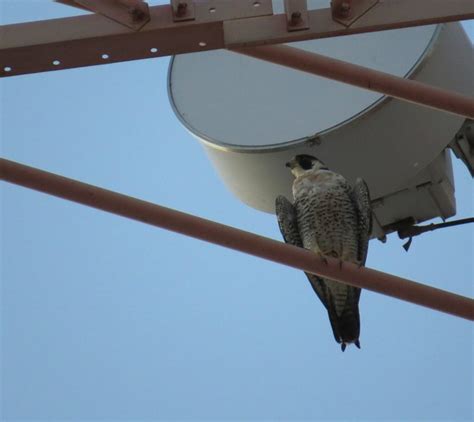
(303, 163)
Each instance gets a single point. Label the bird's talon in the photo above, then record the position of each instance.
(323, 258)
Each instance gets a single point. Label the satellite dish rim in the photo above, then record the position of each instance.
(225, 147)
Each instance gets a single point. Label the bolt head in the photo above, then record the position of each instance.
(345, 9)
(137, 14)
(295, 18)
(181, 9)
(345, 6)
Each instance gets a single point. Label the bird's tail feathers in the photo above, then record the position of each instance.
(346, 326)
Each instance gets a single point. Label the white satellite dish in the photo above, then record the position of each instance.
(252, 116)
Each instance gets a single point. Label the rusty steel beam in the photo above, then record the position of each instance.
(93, 40)
(233, 238)
(363, 77)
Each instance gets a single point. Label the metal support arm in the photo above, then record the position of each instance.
(363, 77)
(85, 40)
(233, 238)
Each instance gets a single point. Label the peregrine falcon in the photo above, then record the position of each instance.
(332, 219)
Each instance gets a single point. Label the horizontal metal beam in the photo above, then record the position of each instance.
(363, 77)
(385, 15)
(233, 238)
(93, 40)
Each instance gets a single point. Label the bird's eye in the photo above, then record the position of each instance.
(306, 164)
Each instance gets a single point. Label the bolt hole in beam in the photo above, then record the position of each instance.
(56, 62)
(202, 44)
(105, 56)
(7, 69)
(153, 50)
(256, 4)
(212, 10)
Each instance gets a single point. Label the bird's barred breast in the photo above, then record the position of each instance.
(327, 217)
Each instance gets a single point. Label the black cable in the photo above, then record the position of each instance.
(417, 230)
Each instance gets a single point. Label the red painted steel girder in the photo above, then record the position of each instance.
(363, 77)
(233, 238)
(92, 39)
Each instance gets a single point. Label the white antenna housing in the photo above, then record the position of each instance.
(252, 116)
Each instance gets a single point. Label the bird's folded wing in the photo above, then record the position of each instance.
(361, 197)
(288, 223)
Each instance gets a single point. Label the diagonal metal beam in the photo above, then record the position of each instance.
(236, 239)
(363, 77)
(92, 40)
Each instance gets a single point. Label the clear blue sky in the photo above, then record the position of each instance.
(105, 318)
